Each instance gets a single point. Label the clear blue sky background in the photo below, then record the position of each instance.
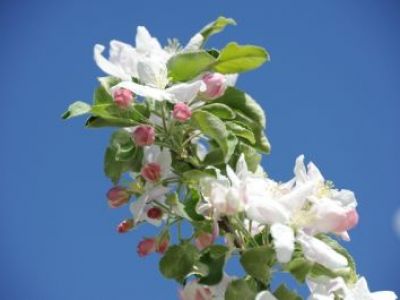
(331, 92)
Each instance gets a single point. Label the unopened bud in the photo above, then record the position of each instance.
(125, 226)
(144, 135)
(151, 172)
(123, 97)
(215, 85)
(117, 196)
(181, 112)
(146, 246)
(155, 213)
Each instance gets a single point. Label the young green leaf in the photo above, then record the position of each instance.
(190, 205)
(101, 96)
(214, 258)
(76, 109)
(283, 293)
(240, 289)
(178, 261)
(249, 113)
(214, 128)
(251, 156)
(240, 130)
(256, 262)
(187, 65)
(220, 110)
(215, 27)
(236, 58)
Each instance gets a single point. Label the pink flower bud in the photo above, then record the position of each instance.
(203, 240)
(144, 135)
(350, 221)
(162, 245)
(155, 213)
(215, 85)
(181, 112)
(151, 172)
(123, 97)
(117, 196)
(146, 246)
(125, 226)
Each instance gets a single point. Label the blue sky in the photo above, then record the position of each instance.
(331, 91)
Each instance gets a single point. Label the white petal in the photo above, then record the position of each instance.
(265, 295)
(314, 173)
(241, 168)
(195, 43)
(267, 211)
(345, 197)
(151, 154)
(165, 160)
(283, 239)
(106, 66)
(152, 73)
(125, 56)
(144, 91)
(361, 291)
(137, 208)
(328, 215)
(384, 295)
(296, 198)
(185, 92)
(317, 251)
(232, 176)
(145, 42)
(231, 79)
(156, 193)
(300, 170)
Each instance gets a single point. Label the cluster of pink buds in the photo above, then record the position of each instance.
(150, 245)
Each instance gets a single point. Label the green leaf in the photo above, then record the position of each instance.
(239, 100)
(178, 261)
(235, 58)
(187, 65)
(239, 130)
(214, 158)
(215, 27)
(214, 128)
(194, 176)
(114, 115)
(249, 113)
(220, 110)
(121, 156)
(112, 168)
(240, 289)
(251, 156)
(108, 82)
(214, 258)
(77, 108)
(97, 122)
(101, 96)
(283, 293)
(256, 262)
(190, 205)
(299, 267)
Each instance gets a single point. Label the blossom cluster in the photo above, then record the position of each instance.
(187, 150)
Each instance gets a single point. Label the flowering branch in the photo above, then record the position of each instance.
(191, 143)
